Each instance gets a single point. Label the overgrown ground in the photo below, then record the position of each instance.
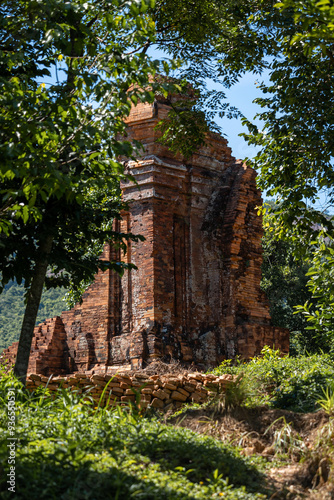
(251, 443)
(288, 443)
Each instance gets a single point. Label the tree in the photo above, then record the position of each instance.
(295, 159)
(321, 288)
(60, 141)
(296, 144)
(292, 41)
(285, 282)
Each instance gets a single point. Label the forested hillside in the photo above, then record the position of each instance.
(12, 310)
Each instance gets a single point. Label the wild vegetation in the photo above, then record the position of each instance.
(235, 447)
(280, 382)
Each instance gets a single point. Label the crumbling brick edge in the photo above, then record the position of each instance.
(164, 392)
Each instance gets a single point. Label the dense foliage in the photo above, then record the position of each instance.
(282, 382)
(321, 287)
(284, 280)
(299, 286)
(66, 449)
(12, 310)
(296, 142)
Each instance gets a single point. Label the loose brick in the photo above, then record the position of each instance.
(182, 391)
(157, 403)
(190, 387)
(171, 387)
(195, 376)
(117, 390)
(128, 398)
(178, 396)
(84, 381)
(146, 390)
(141, 376)
(160, 394)
(100, 383)
(53, 387)
(114, 384)
(137, 384)
(129, 392)
(146, 397)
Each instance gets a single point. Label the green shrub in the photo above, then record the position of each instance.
(286, 382)
(326, 401)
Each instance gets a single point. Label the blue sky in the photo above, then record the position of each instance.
(241, 96)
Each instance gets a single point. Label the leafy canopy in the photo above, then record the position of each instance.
(60, 139)
(295, 160)
(321, 288)
(284, 280)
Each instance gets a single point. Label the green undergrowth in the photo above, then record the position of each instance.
(67, 449)
(295, 384)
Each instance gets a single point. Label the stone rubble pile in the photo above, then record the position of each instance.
(158, 391)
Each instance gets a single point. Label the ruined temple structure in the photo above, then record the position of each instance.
(196, 294)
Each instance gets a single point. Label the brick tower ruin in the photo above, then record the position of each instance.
(196, 295)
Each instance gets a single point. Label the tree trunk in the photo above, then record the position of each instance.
(31, 310)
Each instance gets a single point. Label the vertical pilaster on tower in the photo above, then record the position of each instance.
(195, 296)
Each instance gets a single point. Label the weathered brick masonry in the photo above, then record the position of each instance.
(196, 294)
(164, 392)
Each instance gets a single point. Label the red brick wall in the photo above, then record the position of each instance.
(196, 293)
